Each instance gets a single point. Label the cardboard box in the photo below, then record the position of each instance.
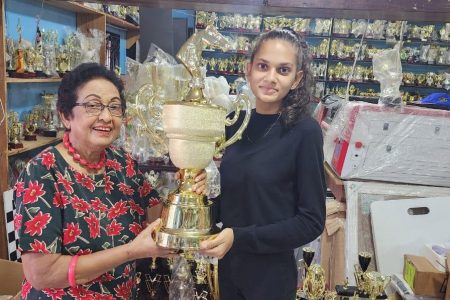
(438, 261)
(422, 277)
(11, 276)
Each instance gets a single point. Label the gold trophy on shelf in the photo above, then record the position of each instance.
(30, 127)
(369, 284)
(14, 132)
(49, 115)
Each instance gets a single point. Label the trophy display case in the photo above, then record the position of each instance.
(334, 43)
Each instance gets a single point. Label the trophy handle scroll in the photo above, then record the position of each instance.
(242, 102)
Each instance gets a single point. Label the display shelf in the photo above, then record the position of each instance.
(242, 52)
(224, 73)
(240, 31)
(40, 142)
(32, 80)
(72, 6)
(337, 37)
(121, 23)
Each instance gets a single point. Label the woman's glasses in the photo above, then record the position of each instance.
(95, 108)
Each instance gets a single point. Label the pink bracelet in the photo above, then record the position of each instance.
(71, 272)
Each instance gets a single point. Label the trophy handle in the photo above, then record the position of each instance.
(242, 102)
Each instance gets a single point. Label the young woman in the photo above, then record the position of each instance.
(272, 180)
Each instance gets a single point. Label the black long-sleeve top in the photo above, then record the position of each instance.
(273, 186)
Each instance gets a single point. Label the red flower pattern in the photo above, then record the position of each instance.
(114, 164)
(114, 228)
(54, 293)
(119, 208)
(85, 181)
(33, 192)
(153, 201)
(107, 277)
(48, 160)
(80, 204)
(17, 221)
(98, 205)
(71, 232)
(123, 290)
(131, 171)
(84, 252)
(39, 247)
(125, 188)
(80, 293)
(19, 187)
(135, 228)
(60, 200)
(94, 226)
(145, 189)
(103, 297)
(109, 185)
(37, 224)
(135, 207)
(26, 288)
(67, 184)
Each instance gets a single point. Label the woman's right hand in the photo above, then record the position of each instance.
(144, 244)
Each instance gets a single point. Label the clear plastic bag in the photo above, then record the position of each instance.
(387, 69)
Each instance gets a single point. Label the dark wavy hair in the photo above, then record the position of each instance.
(295, 104)
(77, 78)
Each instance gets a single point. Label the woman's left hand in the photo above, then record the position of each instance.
(219, 246)
(200, 182)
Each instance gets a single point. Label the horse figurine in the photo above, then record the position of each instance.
(190, 54)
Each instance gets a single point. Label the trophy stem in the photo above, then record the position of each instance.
(187, 181)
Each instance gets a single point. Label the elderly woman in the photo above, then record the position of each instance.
(81, 204)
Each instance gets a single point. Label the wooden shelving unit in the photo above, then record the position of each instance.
(86, 19)
(40, 142)
(32, 80)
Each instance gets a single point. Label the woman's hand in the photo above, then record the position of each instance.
(200, 182)
(144, 245)
(219, 246)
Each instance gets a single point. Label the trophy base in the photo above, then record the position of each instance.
(183, 240)
(15, 146)
(22, 75)
(49, 133)
(30, 137)
(349, 291)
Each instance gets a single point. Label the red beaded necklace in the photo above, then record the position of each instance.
(77, 157)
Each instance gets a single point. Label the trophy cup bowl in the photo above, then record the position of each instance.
(195, 131)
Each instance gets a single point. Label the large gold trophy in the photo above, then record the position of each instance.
(195, 129)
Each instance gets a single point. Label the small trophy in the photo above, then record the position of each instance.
(30, 127)
(369, 284)
(14, 131)
(49, 112)
(314, 279)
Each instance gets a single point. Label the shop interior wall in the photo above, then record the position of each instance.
(22, 98)
(165, 27)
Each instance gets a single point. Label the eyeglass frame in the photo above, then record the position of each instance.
(103, 106)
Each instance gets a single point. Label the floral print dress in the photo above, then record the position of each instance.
(60, 210)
